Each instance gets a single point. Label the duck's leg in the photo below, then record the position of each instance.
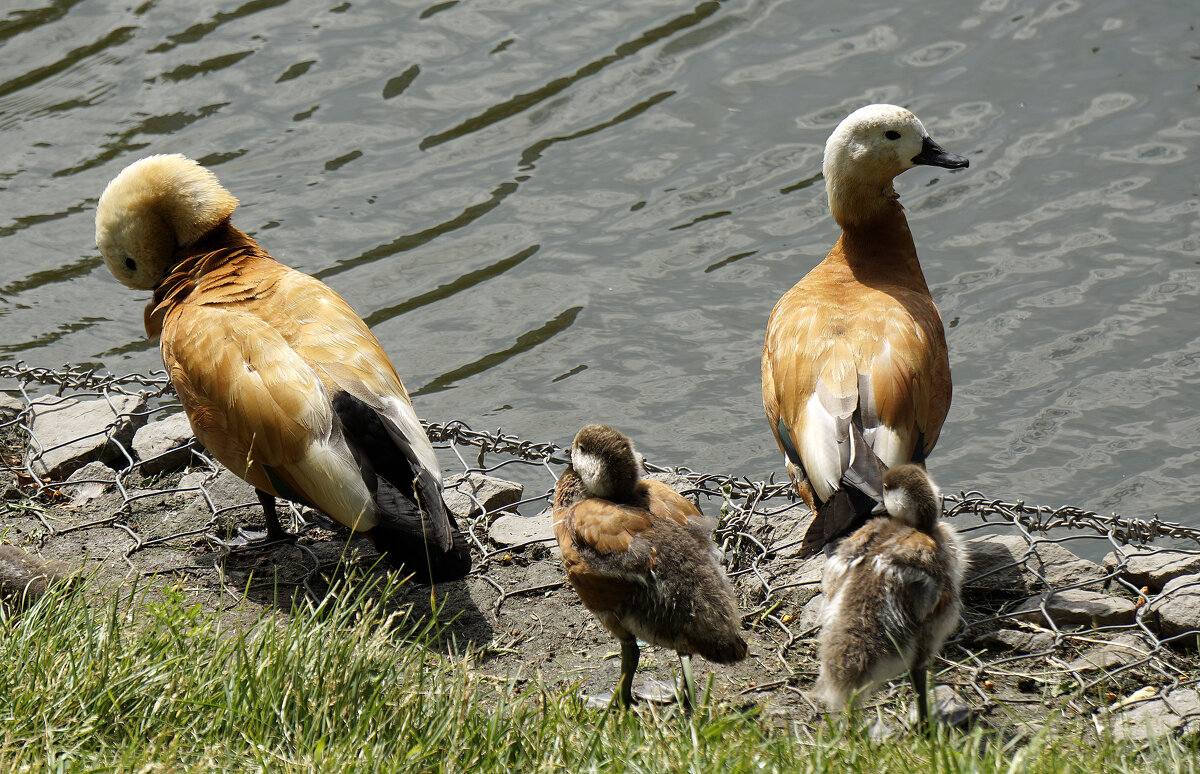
(689, 682)
(629, 662)
(275, 530)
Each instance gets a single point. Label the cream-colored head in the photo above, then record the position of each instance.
(150, 210)
(865, 153)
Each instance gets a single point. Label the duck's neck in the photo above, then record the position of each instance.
(880, 247)
(222, 237)
(855, 201)
(219, 247)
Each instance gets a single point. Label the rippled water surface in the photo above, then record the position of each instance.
(557, 212)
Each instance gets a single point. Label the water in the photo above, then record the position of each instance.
(553, 213)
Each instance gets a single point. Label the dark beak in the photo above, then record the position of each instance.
(935, 155)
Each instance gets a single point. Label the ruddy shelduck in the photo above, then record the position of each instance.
(642, 559)
(892, 594)
(855, 374)
(282, 382)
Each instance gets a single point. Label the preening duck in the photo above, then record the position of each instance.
(892, 594)
(281, 381)
(855, 373)
(642, 559)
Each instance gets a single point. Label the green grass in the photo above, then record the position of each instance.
(149, 683)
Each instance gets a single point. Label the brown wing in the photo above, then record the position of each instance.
(599, 553)
(326, 332)
(329, 336)
(261, 409)
(609, 529)
(665, 503)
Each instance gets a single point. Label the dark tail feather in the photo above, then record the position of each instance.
(854, 503)
(724, 651)
(836, 518)
(411, 553)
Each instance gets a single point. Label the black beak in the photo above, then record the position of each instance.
(935, 155)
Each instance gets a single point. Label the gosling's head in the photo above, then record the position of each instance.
(910, 495)
(151, 209)
(606, 461)
(868, 149)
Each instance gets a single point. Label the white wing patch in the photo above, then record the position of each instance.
(824, 447)
(406, 419)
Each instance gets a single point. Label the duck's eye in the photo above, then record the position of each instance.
(130, 264)
(892, 134)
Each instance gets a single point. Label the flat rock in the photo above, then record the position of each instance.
(1176, 609)
(947, 706)
(512, 530)
(791, 583)
(1009, 565)
(785, 531)
(1153, 567)
(1079, 607)
(1140, 721)
(810, 616)
(1017, 640)
(10, 407)
(164, 445)
(94, 481)
(1123, 650)
(469, 494)
(68, 433)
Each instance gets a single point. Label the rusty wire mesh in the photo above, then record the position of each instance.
(1013, 633)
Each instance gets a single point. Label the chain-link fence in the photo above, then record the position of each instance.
(1044, 628)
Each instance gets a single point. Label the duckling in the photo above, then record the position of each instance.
(892, 594)
(641, 558)
(281, 381)
(855, 372)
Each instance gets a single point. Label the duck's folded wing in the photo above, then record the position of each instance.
(262, 410)
(814, 381)
(908, 374)
(368, 397)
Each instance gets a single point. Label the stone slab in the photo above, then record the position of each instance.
(1153, 567)
(1176, 609)
(1079, 607)
(164, 445)
(512, 530)
(466, 492)
(71, 432)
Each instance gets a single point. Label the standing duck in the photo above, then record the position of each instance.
(281, 381)
(892, 594)
(855, 373)
(641, 557)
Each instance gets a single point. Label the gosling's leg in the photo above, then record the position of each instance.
(919, 676)
(629, 662)
(275, 530)
(689, 682)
